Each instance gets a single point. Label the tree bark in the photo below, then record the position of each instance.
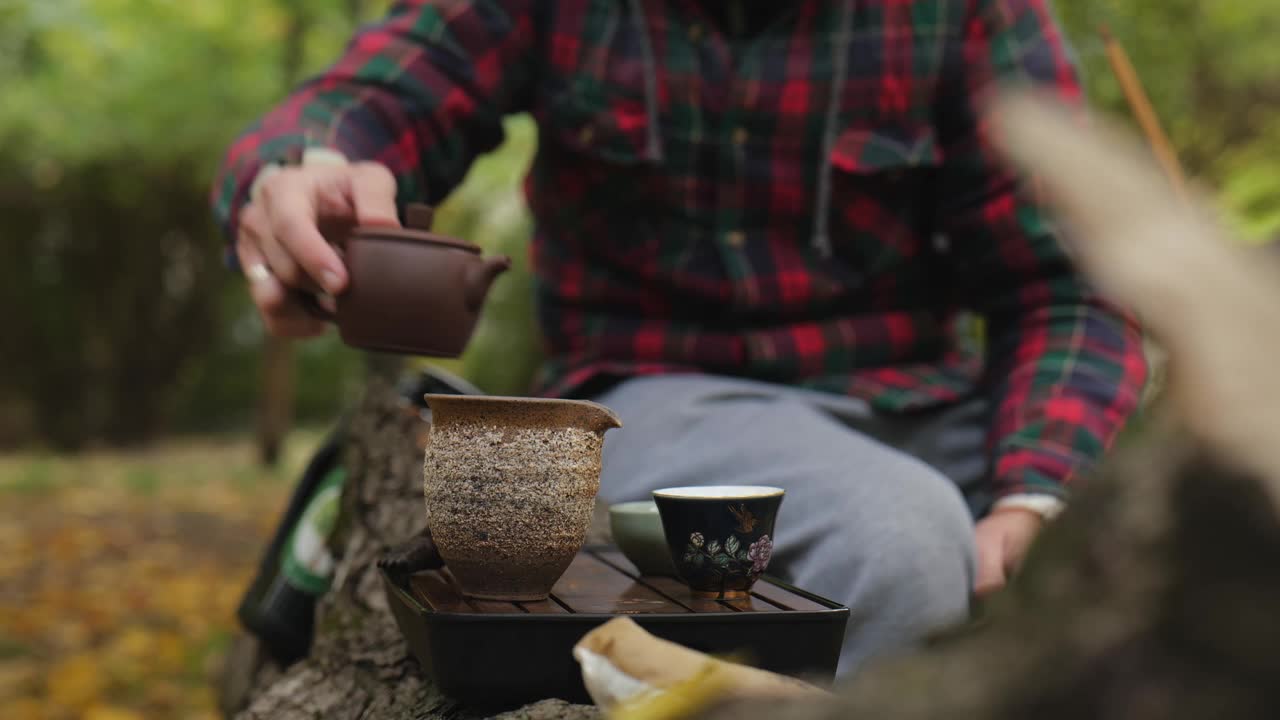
(359, 665)
(275, 410)
(1154, 598)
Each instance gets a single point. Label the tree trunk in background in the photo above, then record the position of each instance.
(355, 10)
(275, 410)
(383, 366)
(359, 665)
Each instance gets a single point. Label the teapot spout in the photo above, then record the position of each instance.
(481, 276)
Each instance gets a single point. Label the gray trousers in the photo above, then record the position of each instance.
(875, 514)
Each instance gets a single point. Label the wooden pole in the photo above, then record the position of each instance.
(279, 366)
(275, 411)
(1140, 105)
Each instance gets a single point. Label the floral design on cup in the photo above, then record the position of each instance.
(720, 536)
(729, 558)
(759, 554)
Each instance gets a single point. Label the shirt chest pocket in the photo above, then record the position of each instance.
(598, 98)
(610, 126)
(883, 181)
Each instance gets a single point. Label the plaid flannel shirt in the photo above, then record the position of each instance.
(812, 203)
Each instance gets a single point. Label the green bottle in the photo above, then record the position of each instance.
(279, 605)
(305, 561)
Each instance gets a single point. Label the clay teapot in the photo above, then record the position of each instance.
(510, 486)
(410, 291)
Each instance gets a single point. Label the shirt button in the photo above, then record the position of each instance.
(586, 134)
(695, 33)
(735, 239)
(740, 136)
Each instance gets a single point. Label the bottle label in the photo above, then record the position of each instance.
(307, 562)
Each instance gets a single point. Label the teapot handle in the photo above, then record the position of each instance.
(309, 300)
(418, 216)
(311, 304)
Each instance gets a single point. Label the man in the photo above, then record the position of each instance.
(758, 225)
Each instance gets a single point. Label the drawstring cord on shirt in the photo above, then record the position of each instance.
(840, 62)
(650, 79)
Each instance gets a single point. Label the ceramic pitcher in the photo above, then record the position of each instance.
(510, 486)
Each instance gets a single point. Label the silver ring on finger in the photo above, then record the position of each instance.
(258, 272)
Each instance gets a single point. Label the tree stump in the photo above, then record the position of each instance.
(359, 665)
(1155, 597)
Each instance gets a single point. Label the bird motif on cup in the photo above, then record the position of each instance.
(746, 520)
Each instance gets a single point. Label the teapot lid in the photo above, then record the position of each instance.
(417, 228)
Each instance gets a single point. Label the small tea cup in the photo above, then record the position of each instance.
(720, 537)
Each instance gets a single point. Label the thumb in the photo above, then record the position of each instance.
(991, 567)
(373, 194)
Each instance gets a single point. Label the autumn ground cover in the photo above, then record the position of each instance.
(120, 573)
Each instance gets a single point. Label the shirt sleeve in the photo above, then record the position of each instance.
(1065, 368)
(423, 91)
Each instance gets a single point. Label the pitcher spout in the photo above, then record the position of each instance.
(596, 417)
(481, 276)
(544, 413)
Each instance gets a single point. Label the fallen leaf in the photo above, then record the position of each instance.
(77, 681)
(108, 712)
(25, 708)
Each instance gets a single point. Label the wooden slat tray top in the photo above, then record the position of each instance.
(601, 581)
(500, 655)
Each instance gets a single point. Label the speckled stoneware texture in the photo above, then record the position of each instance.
(510, 485)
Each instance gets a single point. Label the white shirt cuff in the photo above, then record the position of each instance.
(1046, 506)
(310, 156)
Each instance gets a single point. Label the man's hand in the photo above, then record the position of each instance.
(280, 245)
(1002, 539)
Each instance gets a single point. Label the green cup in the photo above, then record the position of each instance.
(637, 531)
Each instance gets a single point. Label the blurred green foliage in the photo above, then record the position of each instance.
(114, 117)
(1211, 71)
(122, 322)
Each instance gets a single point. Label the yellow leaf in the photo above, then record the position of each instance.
(163, 694)
(76, 681)
(170, 649)
(110, 712)
(133, 643)
(16, 677)
(23, 709)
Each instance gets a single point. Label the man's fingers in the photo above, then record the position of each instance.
(264, 287)
(280, 312)
(991, 572)
(257, 227)
(288, 199)
(989, 581)
(282, 265)
(1015, 551)
(373, 194)
(282, 248)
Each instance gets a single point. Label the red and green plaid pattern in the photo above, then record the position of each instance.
(679, 178)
